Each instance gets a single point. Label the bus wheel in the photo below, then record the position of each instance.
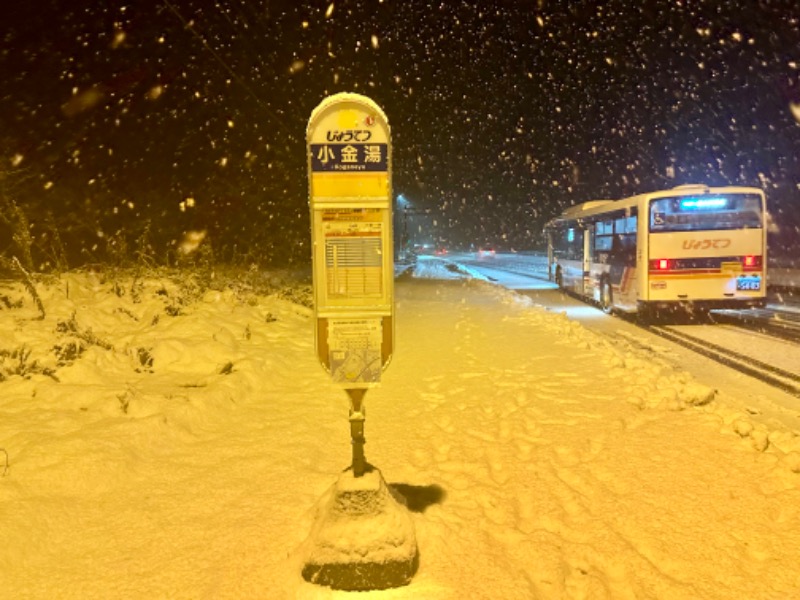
(606, 297)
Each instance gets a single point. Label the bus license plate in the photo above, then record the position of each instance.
(748, 283)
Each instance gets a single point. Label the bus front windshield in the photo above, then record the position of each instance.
(704, 212)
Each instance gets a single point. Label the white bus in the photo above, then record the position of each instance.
(693, 247)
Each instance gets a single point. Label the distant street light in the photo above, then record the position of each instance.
(402, 207)
(422, 228)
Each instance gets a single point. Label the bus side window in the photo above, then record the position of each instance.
(623, 249)
(602, 248)
(576, 249)
(568, 244)
(630, 239)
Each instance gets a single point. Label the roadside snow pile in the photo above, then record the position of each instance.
(427, 267)
(643, 382)
(113, 317)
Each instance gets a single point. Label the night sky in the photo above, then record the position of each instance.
(119, 120)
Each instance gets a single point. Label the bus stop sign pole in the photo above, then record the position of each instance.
(363, 537)
(357, 417)
(350, 196)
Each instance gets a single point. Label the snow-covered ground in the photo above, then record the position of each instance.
(166, 441)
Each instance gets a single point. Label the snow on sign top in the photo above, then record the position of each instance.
(347, 111)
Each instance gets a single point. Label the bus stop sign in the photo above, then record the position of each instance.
(350, 197)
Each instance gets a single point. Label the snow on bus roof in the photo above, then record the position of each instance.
(578, 209)
(690, 185)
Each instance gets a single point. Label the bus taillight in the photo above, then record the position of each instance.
(661, 264)
(751, 261)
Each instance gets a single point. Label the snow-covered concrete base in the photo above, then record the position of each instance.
(363, 537)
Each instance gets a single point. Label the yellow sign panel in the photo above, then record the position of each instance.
(341, 185)
(350, 196)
